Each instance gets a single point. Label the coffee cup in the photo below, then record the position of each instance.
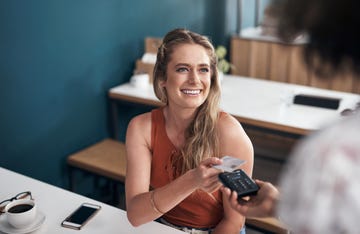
(21, 213)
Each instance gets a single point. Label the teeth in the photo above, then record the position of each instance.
(193, 92)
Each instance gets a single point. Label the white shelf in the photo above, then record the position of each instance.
(255, 33)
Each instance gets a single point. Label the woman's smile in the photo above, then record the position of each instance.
(191, 92)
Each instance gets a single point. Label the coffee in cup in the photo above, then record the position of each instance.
(20, 213)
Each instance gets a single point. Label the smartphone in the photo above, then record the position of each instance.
(317, 101)
(80, 216)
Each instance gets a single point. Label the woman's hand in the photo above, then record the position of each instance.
(205, 176)
(261, 205)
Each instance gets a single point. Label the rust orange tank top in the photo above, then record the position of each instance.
(200, 209)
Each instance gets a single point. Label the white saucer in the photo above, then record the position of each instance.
(7, 228)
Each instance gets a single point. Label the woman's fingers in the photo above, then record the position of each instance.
(209, 162)
(212, 184)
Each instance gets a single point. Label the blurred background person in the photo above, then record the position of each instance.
(319, 186)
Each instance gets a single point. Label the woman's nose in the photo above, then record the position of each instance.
(194, 76)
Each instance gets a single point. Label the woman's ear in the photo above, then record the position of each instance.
(162, 83)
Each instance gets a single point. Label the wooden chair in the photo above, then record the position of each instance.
(106, 159)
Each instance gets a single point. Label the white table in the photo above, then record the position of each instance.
(260, 103)
(57, 203)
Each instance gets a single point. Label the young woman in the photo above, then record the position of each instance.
(171, 150)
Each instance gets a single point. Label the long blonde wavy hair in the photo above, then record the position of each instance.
(201, 138)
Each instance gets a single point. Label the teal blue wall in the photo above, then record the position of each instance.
(59, 58)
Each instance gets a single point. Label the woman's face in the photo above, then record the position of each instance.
(188, 76)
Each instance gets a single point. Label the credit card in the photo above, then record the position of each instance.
(229, 164)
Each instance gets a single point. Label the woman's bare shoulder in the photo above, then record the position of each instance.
(141, 120)
(226, 121)
(139, 127)
(230, 129)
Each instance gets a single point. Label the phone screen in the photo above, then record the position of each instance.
(79, 217)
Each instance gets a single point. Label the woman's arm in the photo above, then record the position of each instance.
(233, 142)
(140, 208)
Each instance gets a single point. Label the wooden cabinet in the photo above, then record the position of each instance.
(271, 151)
(272, 60)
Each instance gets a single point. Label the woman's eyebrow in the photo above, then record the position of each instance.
(182, 64)
(189, 65)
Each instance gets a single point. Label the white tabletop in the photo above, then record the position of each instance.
(259, 102)
(57, 203)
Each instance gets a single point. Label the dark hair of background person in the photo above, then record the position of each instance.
(332, 27)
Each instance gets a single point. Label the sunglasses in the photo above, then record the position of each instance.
(22, 195)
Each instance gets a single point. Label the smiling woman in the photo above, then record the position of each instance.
(172, 149)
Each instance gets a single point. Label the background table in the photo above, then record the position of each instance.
(57, 204)
(261, 103)
(265, 110)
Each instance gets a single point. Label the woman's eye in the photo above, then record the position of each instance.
(204, 70)
(182, 69)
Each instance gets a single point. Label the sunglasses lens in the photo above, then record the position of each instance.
(24, 195)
